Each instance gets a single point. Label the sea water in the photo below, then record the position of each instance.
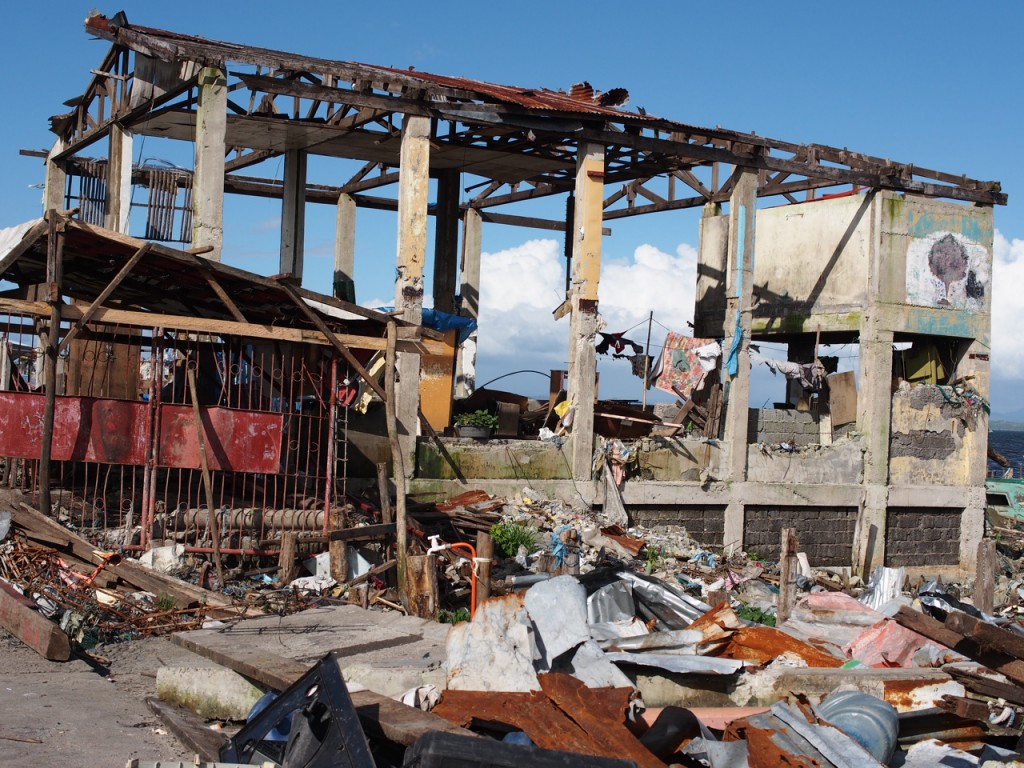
(1011, 445)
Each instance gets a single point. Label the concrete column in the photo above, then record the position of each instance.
(472, 247)
(446, 241)
(588, 219)
(739, 297)
(208, 179)
(975, 364)
(413, 201)
(293, 214)
(54, 198)
(732, 533)
(119, 180)
(345, 249)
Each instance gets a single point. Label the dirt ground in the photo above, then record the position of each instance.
(84, 714)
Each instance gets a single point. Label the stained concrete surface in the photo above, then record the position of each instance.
(83, 715)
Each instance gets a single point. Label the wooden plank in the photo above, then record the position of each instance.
(988, 636)
(986, 686)
(789, 572)
(379, 715)
(19, 616)
(151, 320)
(422, 586)
(842, 398)
(985, 583)
(189, 729)
(935, 630)
(287, 568)
(136, 574)
(363, 533)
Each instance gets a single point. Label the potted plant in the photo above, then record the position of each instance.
(476, 424)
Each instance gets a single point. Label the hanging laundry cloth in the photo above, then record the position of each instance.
(810, 375)
(616, 341)
(684, 363)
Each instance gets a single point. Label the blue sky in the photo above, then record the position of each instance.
(931, 83)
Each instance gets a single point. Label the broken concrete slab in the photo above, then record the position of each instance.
(214, 693)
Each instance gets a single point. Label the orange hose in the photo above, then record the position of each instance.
(472, 582)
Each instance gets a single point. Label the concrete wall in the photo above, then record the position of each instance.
(705, 525)
(825, 533)
(827, 464)
(814, 255)
(934, 437)
(922, 536)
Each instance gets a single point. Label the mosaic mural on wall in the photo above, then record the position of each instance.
(949, 271)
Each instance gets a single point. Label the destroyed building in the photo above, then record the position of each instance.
(892, 462)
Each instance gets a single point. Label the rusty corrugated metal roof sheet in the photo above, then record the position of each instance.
(529, 98)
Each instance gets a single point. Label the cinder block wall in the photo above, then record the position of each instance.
(825, 533)
(705, 525)
(922, 536)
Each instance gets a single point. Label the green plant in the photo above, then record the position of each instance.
(479, 418)
(164, 602)
(655, 556)
(509, 536)
(454, 617)
(750, 613)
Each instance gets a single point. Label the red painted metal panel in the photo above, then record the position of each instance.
(239, 441)
(84, 428)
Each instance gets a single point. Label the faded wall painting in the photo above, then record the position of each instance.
(949, 271)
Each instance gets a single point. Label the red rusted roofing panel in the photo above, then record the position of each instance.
(84, 428)
(530, 98)
(567, 716)
(239, 441)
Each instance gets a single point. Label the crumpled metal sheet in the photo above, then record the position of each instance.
(885, 584)
(670, 606)
(558, 610)
(611, 603)
(681, 664)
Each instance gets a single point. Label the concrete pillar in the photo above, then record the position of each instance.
(54, 198)
(208, 179)
(975, 366)
(739, 297)
(413, 201)
(446, 241)
(345, 249)
(119, 180)
(472, 247)
(732, 533)
(293, 214)
(586, 235)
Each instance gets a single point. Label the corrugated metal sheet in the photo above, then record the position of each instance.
(239, 441)
(84, 428)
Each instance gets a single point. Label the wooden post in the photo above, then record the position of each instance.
(787, 578)
(421, 586)
(286, 567)
(383, 488)
(208, 178)
(119, 180)
(484, 554)
(338, 549)
(345, 249)
(204, 465)
(985, 583)
(446, 240)
(585, 236)
(413, 205)
(293, 214)
(398, 469)
(472, 247)
(54, 257)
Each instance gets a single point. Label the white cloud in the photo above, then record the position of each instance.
(1007, 307)
(521, 286)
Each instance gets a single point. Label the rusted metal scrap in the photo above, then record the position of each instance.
(565, 715)
(86, 608)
